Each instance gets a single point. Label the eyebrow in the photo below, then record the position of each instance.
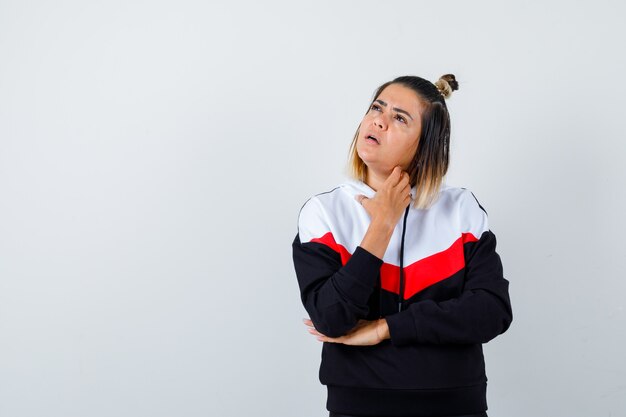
(395, 108)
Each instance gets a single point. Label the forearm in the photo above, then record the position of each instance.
(476, 317)
(335, 296)
(375, 241)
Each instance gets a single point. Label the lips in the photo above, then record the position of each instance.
(372, 138)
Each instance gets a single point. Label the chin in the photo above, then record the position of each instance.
(364, 159)
(367, 159)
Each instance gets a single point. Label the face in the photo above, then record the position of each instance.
(394, 120)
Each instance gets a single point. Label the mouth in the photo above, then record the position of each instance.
(371, 138)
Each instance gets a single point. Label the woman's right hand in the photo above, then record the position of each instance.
(390, 200)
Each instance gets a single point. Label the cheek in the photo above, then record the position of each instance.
(410, 148)
(359, 147)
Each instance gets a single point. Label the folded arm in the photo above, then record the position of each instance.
(479, 314)
(335, 296)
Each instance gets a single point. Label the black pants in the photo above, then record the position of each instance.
(483, 414)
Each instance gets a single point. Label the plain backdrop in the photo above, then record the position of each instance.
(154, 156)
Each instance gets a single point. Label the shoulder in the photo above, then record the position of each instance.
(320, 202)
(313, 217)
(471, 213)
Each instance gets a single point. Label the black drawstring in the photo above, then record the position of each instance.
(400, 301)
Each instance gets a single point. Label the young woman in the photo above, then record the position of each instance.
(398, 270)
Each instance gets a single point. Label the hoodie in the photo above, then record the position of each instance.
(440, 286)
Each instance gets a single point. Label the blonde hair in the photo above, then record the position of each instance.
(430, 162)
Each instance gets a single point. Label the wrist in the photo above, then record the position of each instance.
(382, 224)
(377, 238)
(382, 329)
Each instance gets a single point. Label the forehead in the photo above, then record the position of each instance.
(397, 95)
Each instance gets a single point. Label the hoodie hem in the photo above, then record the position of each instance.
(407, 402)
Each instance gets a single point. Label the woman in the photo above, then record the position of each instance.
(399, 271)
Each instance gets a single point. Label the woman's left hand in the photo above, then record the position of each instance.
(365, 333)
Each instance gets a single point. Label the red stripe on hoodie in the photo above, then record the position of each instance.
(420, 274)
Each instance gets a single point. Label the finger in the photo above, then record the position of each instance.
(406, 189)
(398, 173)
(365, 201)
(322, 337)
(394, 177)
(360, 198)
(308, 322)
(330, 339)
(403, 178)
(314, 332)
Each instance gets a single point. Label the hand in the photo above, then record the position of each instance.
(365, 333)
(390, 200)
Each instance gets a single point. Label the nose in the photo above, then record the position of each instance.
(379, 122)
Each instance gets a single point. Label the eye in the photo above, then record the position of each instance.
(375, 107)
(402, 119)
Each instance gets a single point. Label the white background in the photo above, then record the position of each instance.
(154, 156)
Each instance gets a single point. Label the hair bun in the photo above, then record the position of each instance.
(446, 84)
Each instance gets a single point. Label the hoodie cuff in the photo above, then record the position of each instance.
(364, 267)
(401, 328)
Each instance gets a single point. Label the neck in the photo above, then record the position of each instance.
(375, 179)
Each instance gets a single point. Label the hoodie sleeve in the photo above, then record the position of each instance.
(481, 312)
(334, 287)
